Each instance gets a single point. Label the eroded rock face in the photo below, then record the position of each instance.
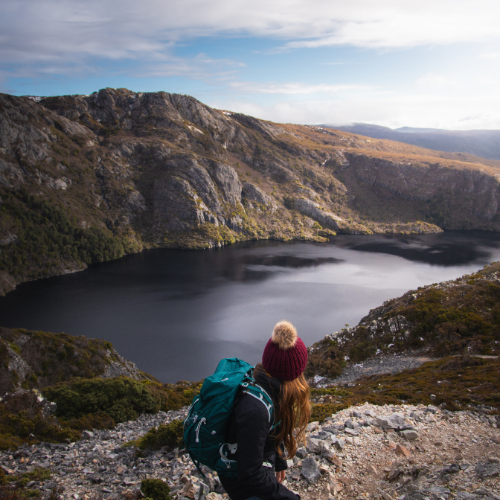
(470, 189)
(276, 170)
(25, 129)
(315, 211)
(132, 109)
(227, 180)
(253, 195)
(178, 207)
(10, 175)
(188, 195)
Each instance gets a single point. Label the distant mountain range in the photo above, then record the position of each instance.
(482, 143)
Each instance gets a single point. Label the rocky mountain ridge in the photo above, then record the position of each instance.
(85, 179)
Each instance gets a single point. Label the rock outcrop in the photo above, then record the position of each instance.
(258, 199)
(316, 212)
(34, 359)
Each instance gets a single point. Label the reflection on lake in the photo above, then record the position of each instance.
(177, 313)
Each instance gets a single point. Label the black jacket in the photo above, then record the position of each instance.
(249, 428)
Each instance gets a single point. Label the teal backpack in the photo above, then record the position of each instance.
(208, 417)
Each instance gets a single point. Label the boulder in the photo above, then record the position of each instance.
(313, 445)
(486, 470)
(409, 435)
(310, 470)
(395, 421)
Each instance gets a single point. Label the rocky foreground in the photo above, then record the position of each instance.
(382, 452)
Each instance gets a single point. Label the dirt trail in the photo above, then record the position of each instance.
(390, 364)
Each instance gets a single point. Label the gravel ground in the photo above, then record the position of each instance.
(381, 452)
(390, 364)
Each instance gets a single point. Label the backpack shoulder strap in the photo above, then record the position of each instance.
(251, 388)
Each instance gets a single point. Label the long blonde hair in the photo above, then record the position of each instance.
(293, 411)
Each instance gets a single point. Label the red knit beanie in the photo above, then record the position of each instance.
(285, 355)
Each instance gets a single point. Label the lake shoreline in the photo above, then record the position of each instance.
(162, 306)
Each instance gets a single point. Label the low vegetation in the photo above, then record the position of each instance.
(85, 404)
(169, 436)
(455, 383)
(14, 487)
(24, 419)
(121, 398)
(155, 489)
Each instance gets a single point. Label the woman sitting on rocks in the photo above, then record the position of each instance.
(261, 452)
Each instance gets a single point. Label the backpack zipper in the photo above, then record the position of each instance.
(202, 421)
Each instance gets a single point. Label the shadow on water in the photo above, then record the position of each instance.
(442, 250)
(250, 267)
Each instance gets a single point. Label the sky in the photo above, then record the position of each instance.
(425, 63)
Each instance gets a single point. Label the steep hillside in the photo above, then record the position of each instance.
(54, 386)
(484, 143)
(459, 317)
(85, 179)
(34, 359)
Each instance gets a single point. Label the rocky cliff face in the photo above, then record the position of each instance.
(455, 190)
(34, 359)
(88, 178)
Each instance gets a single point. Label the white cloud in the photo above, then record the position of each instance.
(292, 88)
(431, 80)
(72, 30)
(416, 111)
(490, 55)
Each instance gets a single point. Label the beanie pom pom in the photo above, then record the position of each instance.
(284, 335)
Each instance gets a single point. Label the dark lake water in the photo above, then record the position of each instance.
(177, 313)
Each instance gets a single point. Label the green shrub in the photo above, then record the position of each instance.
(156, 489)
(330, 391)
(38, 474)
(85, 404)
(13, 487)
(362, 351)
(322, 411)
(169, 435)
(22, 420)
(121, 398)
